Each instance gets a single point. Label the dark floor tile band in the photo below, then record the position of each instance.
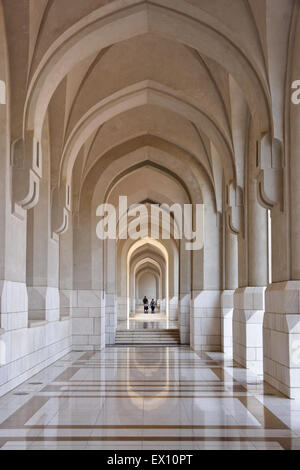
(67, 374)
(286, 443)
(264, 416)
(25, 412)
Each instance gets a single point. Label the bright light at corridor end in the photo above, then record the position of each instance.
(138, 222)
(164, 252)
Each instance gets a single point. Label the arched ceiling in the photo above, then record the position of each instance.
(113, 78)
(147, 256)
(152, 58)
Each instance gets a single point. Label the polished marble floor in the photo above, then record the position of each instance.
(147, 398)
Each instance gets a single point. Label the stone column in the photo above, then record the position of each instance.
(249, 301)
(294, 161)
(227, 296)
(186, 329)
(66, 291)
(206, 301)
(110, 293)
(42, 255)
(173, 290)
(282, 319)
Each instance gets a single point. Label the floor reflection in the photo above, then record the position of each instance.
(147, 397)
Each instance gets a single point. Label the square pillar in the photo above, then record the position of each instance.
(88, 317)
(173, 308)
(122, 313)
(206, 321)
(227, 299)
(248, 315)
(110, 318)
(184, 318)
(281, 336)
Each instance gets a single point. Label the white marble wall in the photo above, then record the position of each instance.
(43, 304)
(67, 299)
(13, 306)
(25, 351)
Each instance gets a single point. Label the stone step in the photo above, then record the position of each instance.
(140, 336)
(155, 340)
(143, 330)
(147, 331)
(149, 341)
(145, 343)
(148, 336)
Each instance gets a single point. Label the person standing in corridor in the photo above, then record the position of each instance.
(145, 302)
